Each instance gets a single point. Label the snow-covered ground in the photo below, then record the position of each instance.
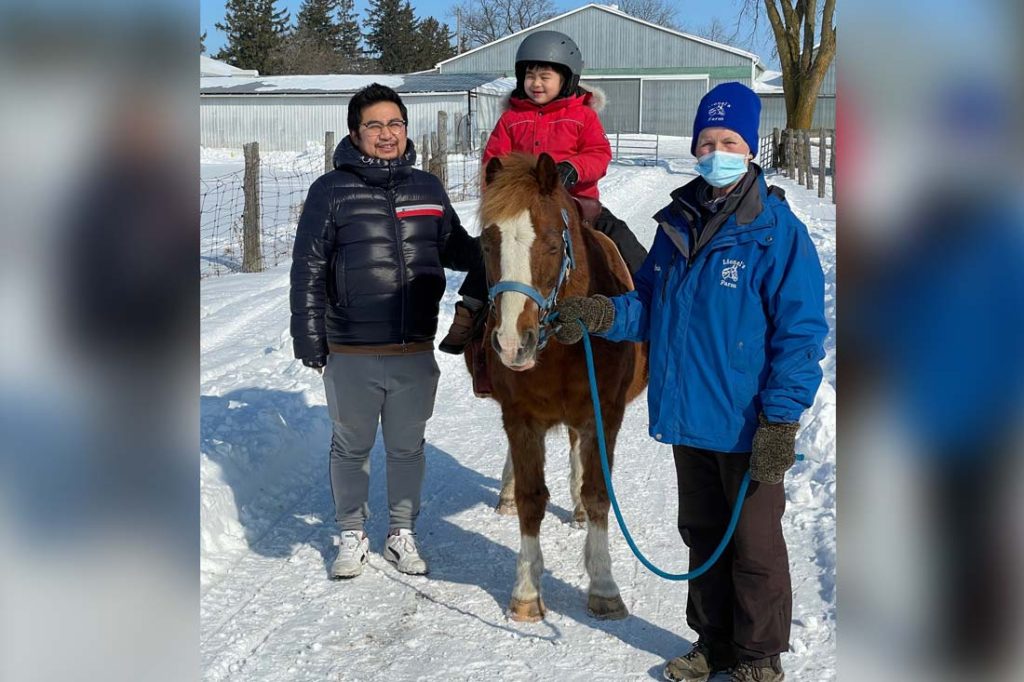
(268, 610)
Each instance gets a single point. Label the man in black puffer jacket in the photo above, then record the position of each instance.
(367, 276)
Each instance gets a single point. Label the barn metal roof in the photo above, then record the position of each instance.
(350, 83)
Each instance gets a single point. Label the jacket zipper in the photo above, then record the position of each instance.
(398, 246)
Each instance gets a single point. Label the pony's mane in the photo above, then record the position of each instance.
(513, 191)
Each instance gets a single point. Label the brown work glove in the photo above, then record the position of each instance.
(597, 313)
(774, 450)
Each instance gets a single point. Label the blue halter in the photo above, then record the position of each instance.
(545, 303)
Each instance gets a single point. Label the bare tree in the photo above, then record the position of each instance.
(805, 51)
(715, 30)
(304, 52)
(660, 12)
(484, 21)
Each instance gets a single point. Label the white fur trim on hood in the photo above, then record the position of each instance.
(597, 101)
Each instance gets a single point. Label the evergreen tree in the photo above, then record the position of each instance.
(316, 17)
(202, 43)
(391, 35)
(349, 36)
(435, 44)
(325, 40)
(255, 30)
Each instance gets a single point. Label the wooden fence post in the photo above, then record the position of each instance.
(807, 159)
(329, 151)
(252, 253)
(798, 135)
(483, 140)
(775, 148)
(425, 152)
(440, 158)
(790, 154)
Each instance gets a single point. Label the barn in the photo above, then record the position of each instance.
(290, 113)
(654, 77)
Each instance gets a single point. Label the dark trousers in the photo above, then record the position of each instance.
(633, 253)
(744, 603)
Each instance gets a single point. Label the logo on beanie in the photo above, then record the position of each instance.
(716, 112)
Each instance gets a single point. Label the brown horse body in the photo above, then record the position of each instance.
(522, 214)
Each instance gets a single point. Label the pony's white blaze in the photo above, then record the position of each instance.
(517, 237)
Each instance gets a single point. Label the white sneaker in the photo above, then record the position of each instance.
(400, 549)
(353, 547)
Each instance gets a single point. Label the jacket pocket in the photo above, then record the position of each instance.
(745, 356)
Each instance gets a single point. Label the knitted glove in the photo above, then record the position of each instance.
(318, 363)
(597, 313)
(774, 451)
(568, 174)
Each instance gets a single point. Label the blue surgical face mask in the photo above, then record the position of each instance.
(722, 169)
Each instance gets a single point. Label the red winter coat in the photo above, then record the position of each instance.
(567, 128)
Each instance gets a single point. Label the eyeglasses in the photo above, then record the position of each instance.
(375, 128)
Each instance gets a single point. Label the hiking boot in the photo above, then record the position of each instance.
(697, 665)
(761, 670)
(353, 547)
(465, 326)
(481, 373)
(400, 549)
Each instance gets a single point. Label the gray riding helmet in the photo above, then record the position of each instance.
(554, 48)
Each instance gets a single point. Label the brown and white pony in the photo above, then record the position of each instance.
(536, 252)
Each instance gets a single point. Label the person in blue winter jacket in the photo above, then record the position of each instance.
(731, 299)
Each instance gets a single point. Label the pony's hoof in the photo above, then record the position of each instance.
(526, 611)
(607, 608)
(506, 507)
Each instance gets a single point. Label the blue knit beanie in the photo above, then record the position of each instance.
(729, 105)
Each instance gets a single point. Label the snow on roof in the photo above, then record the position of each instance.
(295, 84)
(214, 67)
(768, 83)
(498, 86)
(349, 83)
(613, 9)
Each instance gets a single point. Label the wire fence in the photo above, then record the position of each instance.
(807, 156)
(281, 194)
(281, 191)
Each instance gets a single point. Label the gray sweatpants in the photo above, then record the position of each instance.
(398, 391)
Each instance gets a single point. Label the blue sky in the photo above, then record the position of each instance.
(692, 13)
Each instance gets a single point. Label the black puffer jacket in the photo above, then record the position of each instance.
(368, 264)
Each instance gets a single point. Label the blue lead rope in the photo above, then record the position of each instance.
(733, 521)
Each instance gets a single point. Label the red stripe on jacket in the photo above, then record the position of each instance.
(437, 213)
